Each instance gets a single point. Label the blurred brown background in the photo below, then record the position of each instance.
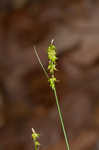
(26, 99)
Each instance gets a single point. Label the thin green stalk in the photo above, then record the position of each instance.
(36, 147)
(46, 74)
(61, 119)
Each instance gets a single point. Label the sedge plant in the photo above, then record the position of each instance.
(35, 137)
(52, 58)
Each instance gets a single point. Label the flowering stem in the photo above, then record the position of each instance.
(61, 119)
(51, 79)
(35, 137)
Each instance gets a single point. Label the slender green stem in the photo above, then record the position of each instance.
(35, 147)
(46, 74)
(61, 119)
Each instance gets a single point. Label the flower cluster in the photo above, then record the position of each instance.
(35, 137)
(52, 64)
(52, 81)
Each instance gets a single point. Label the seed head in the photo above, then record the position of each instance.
(52, 64)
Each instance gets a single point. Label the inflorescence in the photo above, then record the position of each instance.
(52, 64)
